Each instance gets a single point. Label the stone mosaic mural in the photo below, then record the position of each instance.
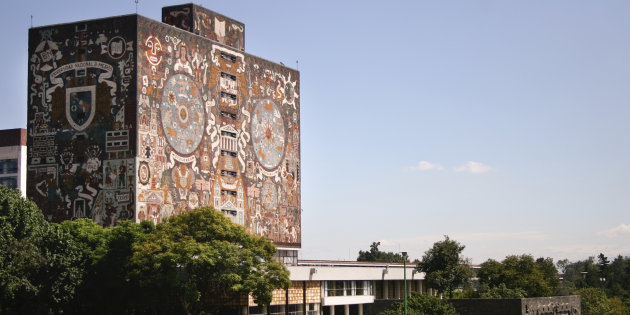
(216, 127)
(130, 118)
(209, 24)
(81, 113)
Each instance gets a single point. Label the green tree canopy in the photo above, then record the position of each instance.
(190, 263)
(444, 266)
(39, 269)
(374, 254)
(534, 277)
(503, 292)
(611, 277)
(194, 258)
(106, 254)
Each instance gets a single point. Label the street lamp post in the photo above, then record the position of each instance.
(404, 254)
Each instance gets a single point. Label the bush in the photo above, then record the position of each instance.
(420, 304)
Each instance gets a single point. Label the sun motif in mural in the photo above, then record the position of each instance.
(182, 114)
(268, 135)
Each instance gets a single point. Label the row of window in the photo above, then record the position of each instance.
(348, 288)
(9, 181)
(117, 133)
(230, 212)
(225, 173)
(287, 257)
(117, 143)
(8, 166)
(226, 114)
(227, 133)
(228, 57)
(228, 76)
(228, 95)
(228, 153)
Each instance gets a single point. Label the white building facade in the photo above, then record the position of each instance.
(13, 159)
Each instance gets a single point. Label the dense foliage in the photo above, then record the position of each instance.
(38, 261)
(420, 304)
(518, 275)
(603, 284)
(374, 254)
(200, 256)
(444, 266)
(190, 263)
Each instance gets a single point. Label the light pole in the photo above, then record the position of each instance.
(404, 254)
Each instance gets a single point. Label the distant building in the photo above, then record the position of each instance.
(348, 287)
(13, 159)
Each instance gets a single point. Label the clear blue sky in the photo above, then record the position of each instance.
(504, 124)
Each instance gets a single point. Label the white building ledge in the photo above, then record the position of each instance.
(347, 300)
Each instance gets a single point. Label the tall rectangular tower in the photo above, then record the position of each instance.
(130, 118)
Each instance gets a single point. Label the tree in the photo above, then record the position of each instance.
(503, 292)
(534, 277)
(374, 254)
(612, 277)
(186, 264)
(106, 254)
(420, 304)
(444, 267)
(603, 263)
(38, 260)
(594, 301)
(200, 259)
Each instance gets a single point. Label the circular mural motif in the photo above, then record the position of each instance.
(144, 173)
(268, 134)
(269, 195)
(182, 114)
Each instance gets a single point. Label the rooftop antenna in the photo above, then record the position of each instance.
(297, 65)
(136, 6)
(31, 21)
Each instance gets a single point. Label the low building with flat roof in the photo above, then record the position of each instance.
(13, 159)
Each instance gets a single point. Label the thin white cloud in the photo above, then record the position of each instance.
(425, 166)
(583, 251)
(468, 237)
(615, 231)
(473, 167)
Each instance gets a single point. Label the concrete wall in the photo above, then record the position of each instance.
(565, 305)
(378, 306)
(556, 305)
(487, 306)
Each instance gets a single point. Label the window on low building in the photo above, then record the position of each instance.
(348, 288)
(8, 166)
(9, 181)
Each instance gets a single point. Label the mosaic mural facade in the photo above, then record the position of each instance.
(201, 21)
(149, 121)
(81, 118)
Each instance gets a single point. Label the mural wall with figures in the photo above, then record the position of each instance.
(201, 21)
(81, 118)
(216, 127)
(131, 118)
